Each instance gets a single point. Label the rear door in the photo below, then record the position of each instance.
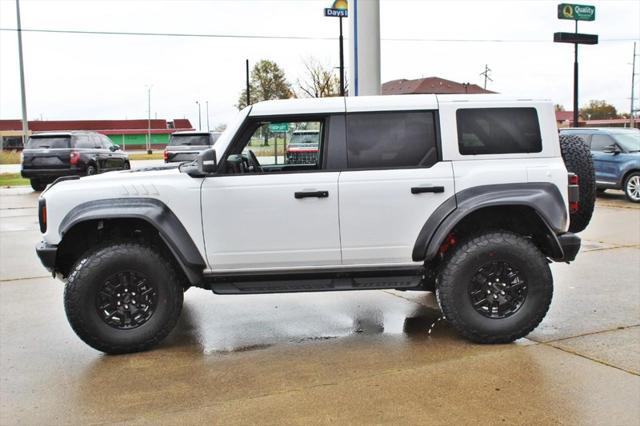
(393, 182)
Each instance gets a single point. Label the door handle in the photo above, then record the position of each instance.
(310, 194)
(421, 189)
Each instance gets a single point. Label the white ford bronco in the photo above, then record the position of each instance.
(468, 196)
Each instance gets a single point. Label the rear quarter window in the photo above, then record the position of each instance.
(498, 131)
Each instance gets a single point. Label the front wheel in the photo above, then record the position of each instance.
(495, 287)
(632, 187)
(124, 297)
(91, 170)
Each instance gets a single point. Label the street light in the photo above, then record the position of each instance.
(149, 86)
(207, 102)
(199, 116)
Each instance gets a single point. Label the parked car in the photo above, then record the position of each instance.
(468, 196)
(50, 155)
(185, 146)
(303, 147)
(616, 157)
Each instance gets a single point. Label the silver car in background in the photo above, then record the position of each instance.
(185, 146)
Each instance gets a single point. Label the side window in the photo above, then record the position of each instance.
(600, 142)
(106, 142)
(281, 146)
(498, 131)
(391, 140)
(83, 141)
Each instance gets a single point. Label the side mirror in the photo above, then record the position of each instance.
(612, 149)
(114, 148)
(207, 161)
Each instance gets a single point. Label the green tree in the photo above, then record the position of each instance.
(598, 110)
(267, 82)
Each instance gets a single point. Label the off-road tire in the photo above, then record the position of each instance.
(577, 158)
(38, 185)
(86, 279)
(626, 187)
(463, 262)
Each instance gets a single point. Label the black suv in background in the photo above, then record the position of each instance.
(185, 146)
(48, 156)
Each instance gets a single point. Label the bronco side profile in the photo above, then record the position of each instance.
(468, 196)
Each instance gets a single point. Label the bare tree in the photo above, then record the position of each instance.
(318, 81)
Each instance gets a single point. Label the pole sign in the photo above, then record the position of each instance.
(279, 127)
(576, 12)
(575, 38)
(337, 10)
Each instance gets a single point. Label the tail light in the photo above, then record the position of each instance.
(42, 215)
(165, 155)
(74, 158)
(574, 193)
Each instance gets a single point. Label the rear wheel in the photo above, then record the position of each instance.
(632, 187)
(124, 297)
(38, 185)
(495, 287)
(577, 159)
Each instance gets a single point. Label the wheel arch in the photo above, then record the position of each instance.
(131, 218)
(535, 209)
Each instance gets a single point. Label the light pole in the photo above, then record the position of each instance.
(25, 123)
(199, 116)
(149, 118)
(207, 102)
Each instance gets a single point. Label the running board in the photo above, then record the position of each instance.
(315, 280)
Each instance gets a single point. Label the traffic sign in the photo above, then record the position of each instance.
(576, 12)
(577, 38)
(279, 127)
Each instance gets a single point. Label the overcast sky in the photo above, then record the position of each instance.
(104, 76)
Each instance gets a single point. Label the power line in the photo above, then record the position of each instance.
(287, 37)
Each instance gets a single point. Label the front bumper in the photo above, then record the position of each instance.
(47, 254)
(570, 244)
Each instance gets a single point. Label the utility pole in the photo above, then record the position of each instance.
(149, 118)
(25, 123)
(208, 129)
(199, 116)
(486, 72)
(341, 60)
(576, 113)
(632, 120)
(247, 82)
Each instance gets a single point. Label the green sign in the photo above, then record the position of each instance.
(576, 12)
(279, 127)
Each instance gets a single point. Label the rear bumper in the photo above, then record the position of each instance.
(47, 254)
(570, 244)
(49, 173)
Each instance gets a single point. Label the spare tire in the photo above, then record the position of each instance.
(577, 159)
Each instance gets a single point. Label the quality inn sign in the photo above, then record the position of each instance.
(576, 12)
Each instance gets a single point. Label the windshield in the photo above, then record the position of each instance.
(304, 138)
(48, 142)
(189, 140)
(629, 141)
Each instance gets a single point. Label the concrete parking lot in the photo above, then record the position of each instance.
(349, 357)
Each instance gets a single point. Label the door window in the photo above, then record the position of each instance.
(391, 140)
(280, 146)
(600, 142)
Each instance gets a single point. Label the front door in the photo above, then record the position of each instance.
(266, 209)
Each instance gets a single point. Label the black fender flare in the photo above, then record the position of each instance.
(544, 198)
(155, 213)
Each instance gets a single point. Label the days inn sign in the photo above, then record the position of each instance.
(576, 12)
(338, 9)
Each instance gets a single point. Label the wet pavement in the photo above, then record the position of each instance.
(345, 357)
